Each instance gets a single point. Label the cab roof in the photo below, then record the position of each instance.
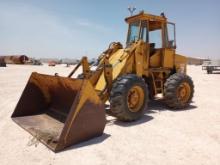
(155, 22)
(146, 16)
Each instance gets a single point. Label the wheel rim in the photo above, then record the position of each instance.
(135, 98)
(183, 92)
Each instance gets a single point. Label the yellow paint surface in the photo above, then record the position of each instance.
(117, 67)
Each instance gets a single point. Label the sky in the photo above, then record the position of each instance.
(75, 28)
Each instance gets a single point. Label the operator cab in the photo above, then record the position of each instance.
(154, 30)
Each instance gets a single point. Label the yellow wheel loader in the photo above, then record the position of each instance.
(62, 111)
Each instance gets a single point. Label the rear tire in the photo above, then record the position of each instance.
(178, 91)
(128, 97)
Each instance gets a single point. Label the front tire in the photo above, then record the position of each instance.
(178, 91)
(128, 97)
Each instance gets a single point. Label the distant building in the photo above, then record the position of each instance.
(70, 61)
(195, 61)
(47, 60)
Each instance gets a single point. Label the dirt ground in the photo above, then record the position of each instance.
(161, 137)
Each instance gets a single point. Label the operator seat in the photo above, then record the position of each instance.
(152, 49)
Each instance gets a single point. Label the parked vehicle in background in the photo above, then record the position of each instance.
(211, 65)
(52, 63)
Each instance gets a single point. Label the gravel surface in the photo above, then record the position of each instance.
(160, 137)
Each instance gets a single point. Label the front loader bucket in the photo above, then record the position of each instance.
(60, 111)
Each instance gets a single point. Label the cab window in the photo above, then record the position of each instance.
(133, 34)
(144, 31)
(155, 37)
(171, 41)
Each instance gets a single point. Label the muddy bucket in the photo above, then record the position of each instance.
(60, 111)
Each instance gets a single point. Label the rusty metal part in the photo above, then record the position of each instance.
(85, 68)
(60, 111)
(135, 98)
(22, 59)
(183, 92)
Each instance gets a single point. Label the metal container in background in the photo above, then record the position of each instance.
(18, 59)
